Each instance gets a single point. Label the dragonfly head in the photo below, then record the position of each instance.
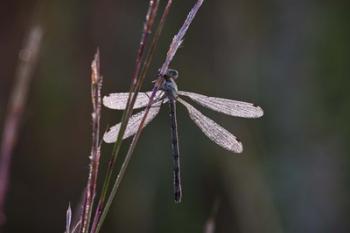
(171, 73)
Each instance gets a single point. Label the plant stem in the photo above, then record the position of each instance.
(27, 61)
(127, 159)
(90, 193)
(149, 21)
(176, 42)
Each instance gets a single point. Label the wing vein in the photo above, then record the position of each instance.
(226, 106)
(118, 101)
(212, 130)
(134, 122)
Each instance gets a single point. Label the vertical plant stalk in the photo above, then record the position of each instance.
(175, 44)
(90, 192)
(68, 219)
(150, 16)
(126, 161)
(132, 95)
(209, 226)
(28, 57)
(154, 44)
(179, 37)
(148, 25)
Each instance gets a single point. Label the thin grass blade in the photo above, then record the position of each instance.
(28, 58)
(134, 88)
(103, 209)
(68, 219)
(178, 38)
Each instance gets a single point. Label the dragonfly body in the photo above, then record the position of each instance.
(175, 151)
(169, 92)
(170, 88)
(169, 85)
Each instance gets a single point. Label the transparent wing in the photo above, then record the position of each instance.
(134, 122)
(213, 131)
(118, 100)
(226, 106)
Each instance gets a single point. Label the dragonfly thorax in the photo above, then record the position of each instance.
(170, 88)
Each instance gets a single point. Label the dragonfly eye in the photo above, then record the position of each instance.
(171, 73)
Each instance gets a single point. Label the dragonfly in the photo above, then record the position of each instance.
(169, 93)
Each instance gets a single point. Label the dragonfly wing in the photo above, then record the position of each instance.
(226, 106)
(119, 100)
(134, 122)
(213, 131)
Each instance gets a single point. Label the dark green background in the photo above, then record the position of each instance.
(289, 56)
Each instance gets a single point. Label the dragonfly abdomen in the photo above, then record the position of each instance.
(175, 152)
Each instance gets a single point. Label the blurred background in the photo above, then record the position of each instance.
(291, 57)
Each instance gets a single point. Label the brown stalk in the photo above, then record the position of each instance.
(28, 57)
(176, 42)
(90, 192)
(179, 37)
(148, 25)
(209, 226)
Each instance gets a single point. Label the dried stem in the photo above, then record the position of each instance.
(96, 86)
(148, 25)
(177, 40)
(76, 227)
(153, 6)
(68, 219)
(27, 61)
(209, 226)
(126, 161)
